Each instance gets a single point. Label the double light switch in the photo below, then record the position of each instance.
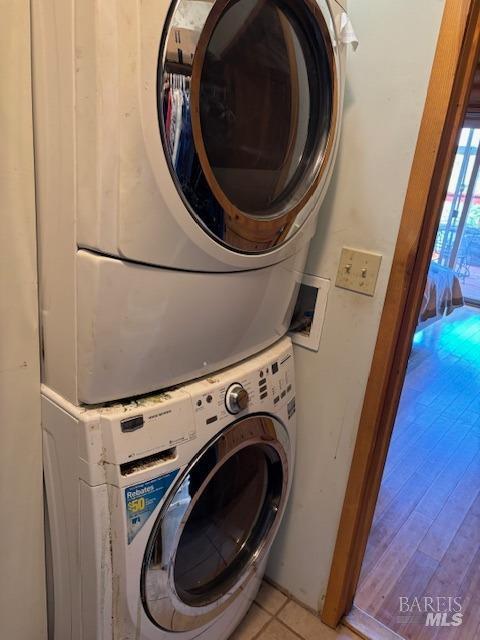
(358, 271)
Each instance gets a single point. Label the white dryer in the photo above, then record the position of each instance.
(182, 152)
(162, 511)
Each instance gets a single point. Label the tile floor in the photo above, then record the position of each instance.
(273, 616)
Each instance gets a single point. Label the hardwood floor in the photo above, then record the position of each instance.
(425, 539)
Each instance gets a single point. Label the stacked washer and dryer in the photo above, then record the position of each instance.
(182, 152)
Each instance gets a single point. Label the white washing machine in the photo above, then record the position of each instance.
(161, 512)
(182, 152)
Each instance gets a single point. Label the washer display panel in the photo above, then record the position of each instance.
(217, 524)
(246, 106)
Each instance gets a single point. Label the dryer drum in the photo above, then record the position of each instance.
(247, 95)
(217, 525)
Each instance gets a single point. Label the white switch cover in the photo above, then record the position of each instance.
(358, 271)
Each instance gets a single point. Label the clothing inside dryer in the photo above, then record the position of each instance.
(254, 141)
(181, 148)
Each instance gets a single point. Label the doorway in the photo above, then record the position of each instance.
(453, 73)
(420, 575)
(423, 552)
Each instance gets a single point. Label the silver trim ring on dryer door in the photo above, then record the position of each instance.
(161, 598)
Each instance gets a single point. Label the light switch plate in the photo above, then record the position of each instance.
(358, 271)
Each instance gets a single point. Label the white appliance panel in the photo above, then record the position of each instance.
(133, 340)
(97, 566)
(117, 188)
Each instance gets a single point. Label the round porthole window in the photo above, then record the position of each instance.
(246, 107)
(216, 525)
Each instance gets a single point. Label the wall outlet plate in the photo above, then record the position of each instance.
(309, 314)
(358, 271)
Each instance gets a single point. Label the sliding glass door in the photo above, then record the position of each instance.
(458, 240)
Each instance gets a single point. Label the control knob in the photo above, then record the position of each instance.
(236, 398)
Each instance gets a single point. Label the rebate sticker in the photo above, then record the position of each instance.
(142, 499)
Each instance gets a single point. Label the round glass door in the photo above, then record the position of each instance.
(246, 105)
(217, 525)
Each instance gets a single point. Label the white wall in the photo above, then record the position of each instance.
(22, 575)
(386, 89)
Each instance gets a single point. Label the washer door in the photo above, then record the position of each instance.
(247, 104)
(217, 525)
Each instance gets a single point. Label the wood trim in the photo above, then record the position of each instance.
(454, 66)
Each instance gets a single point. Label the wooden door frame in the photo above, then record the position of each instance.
(454, 65)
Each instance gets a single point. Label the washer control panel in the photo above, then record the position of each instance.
(236, 398)
(264, 383)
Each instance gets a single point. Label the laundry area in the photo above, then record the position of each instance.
(201, 202)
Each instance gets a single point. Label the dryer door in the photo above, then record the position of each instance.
(247, 104)
(217, 524)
